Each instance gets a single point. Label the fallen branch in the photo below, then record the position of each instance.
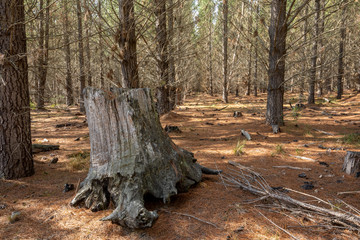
(221, 108)
(247, 179)
(350, 192)
(264, 137)
(303, 158)
(282, 229)
(326, 133)
(294, 168)
(191, 216)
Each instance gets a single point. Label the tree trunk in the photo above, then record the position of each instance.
(15, 135)
(163, 100)
(340, 74)
(304, 70)
(351, 163)
(210, 55)
(69, 84)
(314, 57)
(88, 22)
(43, 53)
(225, 45)
(126, 39)
(81, 55)
(277, 33)
(101, 46)
(131, 156)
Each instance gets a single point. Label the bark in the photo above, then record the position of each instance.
(81, 55)
(101, 46)
(163, 100)
(351, 163)
(340, 74)
(172, 73)
(127, 43)
(225, 45)
(256, 53)
(248, 90)
(69, 84)
(43, 53)
(302, 83)
(15, 135)
(131, 156)
(314, 57)
(87, 34)
(277, 33)
(210, 56)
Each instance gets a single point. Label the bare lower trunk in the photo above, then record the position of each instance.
(15, 136)
(81, 55)
(69, 84)
(131, 156)
(277, 33)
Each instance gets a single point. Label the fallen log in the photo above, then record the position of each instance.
(36, 148)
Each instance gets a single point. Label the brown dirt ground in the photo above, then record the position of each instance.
(212, 136)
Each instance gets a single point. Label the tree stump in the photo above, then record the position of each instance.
(351, 163)
(131, 156)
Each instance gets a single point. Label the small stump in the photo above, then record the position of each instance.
(131, 156)
(351, 163)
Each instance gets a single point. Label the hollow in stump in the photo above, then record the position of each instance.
(131, 156)
(351, 163)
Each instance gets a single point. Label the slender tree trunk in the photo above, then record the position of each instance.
(277, 34)
(43, 52)
(314, 57)
(163, 92)
(340, 74)
(127, 43)
(88, 22)
(256, 51)
(225, 36)
(81, 55)
(250, 55)
(304, 70)
(172, 73)
(69, 84)
(210, 55)
(101, 46)
(15, 135)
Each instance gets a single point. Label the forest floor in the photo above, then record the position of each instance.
(211, 132)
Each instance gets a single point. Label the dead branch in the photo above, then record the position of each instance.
(282, 229)
(247, 179)
(326, 133)
(303, 158)
(221, 108)
(294, 168)
(191, 216)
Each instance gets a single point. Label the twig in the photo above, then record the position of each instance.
(287, 232)
(190, 216)
(326, 133)
(294, 168)
(350, 192)
(221, 108)
(303, 158)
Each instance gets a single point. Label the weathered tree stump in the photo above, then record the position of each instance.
(131, 156)
(351, 163)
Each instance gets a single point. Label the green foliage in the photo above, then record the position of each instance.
(295, 113)
(32, 105)
(239, 149)
(299, 151)
(352, 138)
(79, 161)
(279, 149)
